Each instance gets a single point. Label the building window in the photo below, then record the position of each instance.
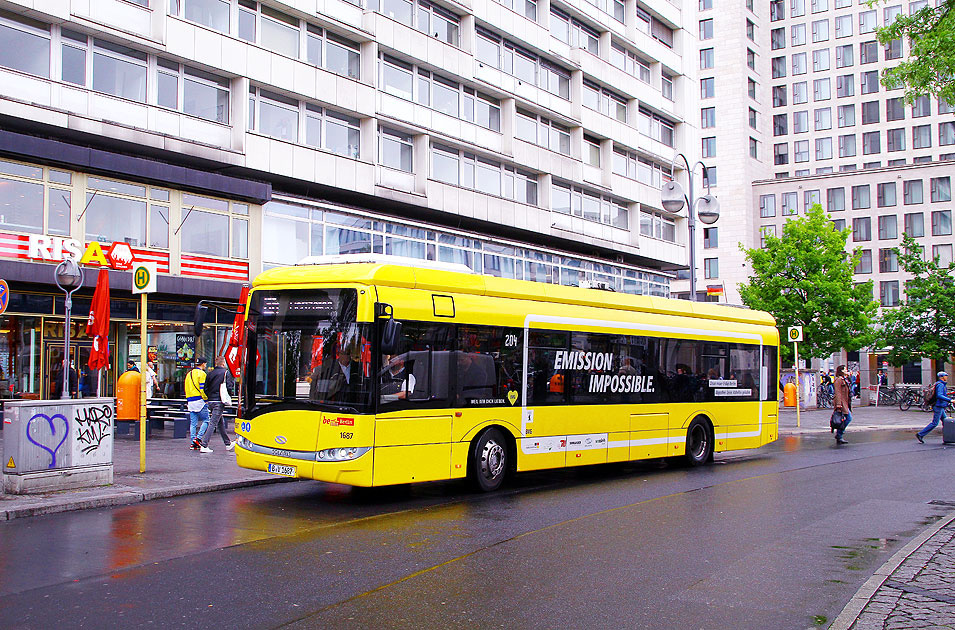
(871, 143)
(843, 26)
(753, 148)
(655, 126)
(780, 124)
(946, 133)
(542, 132)
(778, 67)
(573, 200)
(860, 197)
(709, 176)
(868, 21)
(711, 268)
(655, 225)
(192, 91)
(305, 123)
(868, 52)
(823, 118)
(818, 6)
(847, 146)
(836, 199)
(861, 226)
(752, 118)
(779, 96)
(844, 56)
(820, 60)
(790, 204)
(895, 140)
(869, 82)
(777, 39)
(821, 90)
(781, 154)
(797, 34)
(915, 224)
(395, 149)
(942, 255)
(605, 101)
(801, 151)
(520, 63)
(707, 59)
(709, 146)
(865, 261)
(888, 260)
(777, 10)
(893, 50)
(765, 232)
(800, 93)
(799, 63)
(886, 198)
(750, 59)
(710, 237)
(750, 30)
(894, 109)
(751, 88)
(708, 117)
(487, 176)
(823, 148)
(767, 206)
(706, 29)
(207, 227)
(810, 198)
(941, 189)
(846, 115)
(797, 8)
(912, 192)
(573, 32)
(942, 223)
(820, 30)
(25, 45)
(888, 226)
(707, 88)
(627, 164)
(870, 112)
(889, 293)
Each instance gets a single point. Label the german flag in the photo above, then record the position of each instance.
(714, 289)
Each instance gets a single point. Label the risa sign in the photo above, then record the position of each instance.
(53, 248)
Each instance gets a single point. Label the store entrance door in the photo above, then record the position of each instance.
(79, 357)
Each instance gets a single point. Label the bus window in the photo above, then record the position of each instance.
(679, 358)
(769, 374)
(476, 372)
(545, 381)
(417, 376)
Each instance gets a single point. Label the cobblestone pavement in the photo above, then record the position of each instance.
(914, 589)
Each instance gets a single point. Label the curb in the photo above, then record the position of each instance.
(127, 497)
(851, 429)
(862, 597)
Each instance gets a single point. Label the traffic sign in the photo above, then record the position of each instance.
(795, 333)
(4, 296)
(144, 277)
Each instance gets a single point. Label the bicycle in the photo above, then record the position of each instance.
(890, 395)
(910, 397)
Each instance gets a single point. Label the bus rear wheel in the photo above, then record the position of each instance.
(488, 461)
(699, 443)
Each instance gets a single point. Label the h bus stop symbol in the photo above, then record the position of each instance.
(794, 333)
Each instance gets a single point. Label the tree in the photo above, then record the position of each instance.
(930, 66)
(923, 325)
(805, 278)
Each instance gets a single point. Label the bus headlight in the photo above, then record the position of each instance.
(242, 442)
(341, 454)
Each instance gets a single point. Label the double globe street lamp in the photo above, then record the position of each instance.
(707, 208)
(69, 277)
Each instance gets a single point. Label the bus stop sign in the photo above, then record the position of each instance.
(795, 333)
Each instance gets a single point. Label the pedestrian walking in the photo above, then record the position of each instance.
(941, 402)
(194, 387)
(218, 395)
(151, 381)
(842, 401)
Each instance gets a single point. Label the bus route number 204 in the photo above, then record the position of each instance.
(510, 341)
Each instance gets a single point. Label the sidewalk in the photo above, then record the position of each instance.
(172, 469)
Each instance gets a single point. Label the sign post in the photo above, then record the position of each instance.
(795, 335)
(144, 282)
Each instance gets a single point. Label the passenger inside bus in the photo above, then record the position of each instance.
(476, 378)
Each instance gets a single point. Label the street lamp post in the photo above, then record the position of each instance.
(706, 207)
(69, 277)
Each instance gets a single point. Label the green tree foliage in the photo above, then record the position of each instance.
(930, 66)
(923, 325)
(804, 278)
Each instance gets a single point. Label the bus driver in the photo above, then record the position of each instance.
(397, 382)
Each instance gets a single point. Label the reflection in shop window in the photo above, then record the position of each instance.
(342, 241)
(159, 226)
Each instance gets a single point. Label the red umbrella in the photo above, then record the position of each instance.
(97, 326)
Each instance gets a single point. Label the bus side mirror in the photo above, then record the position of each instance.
(201, 311)
(390, 337)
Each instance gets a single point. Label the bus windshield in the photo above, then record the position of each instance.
(308, 351)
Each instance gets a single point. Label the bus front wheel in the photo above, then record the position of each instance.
(699, 443)
(489, 461)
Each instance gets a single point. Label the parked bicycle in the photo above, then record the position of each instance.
(890, 395)
(911, 397)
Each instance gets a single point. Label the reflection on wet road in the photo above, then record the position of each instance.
(773, 538)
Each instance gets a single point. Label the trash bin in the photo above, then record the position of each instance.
(127, 395)
(57, 444)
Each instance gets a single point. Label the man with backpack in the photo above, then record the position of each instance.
(939, 401)
(194, 386)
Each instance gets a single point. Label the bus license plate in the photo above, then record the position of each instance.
(279, 469)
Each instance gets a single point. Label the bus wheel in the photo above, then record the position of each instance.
(699, 443)
(488, 461)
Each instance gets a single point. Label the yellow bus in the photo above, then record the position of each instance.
(370, 371)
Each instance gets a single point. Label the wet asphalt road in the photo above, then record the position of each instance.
(776, 538)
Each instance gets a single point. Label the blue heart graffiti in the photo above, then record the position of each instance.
(49, 419)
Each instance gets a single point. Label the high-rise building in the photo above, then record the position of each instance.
(217, 138)
(824, 130)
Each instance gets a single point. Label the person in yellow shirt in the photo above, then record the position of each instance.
(194, 386)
